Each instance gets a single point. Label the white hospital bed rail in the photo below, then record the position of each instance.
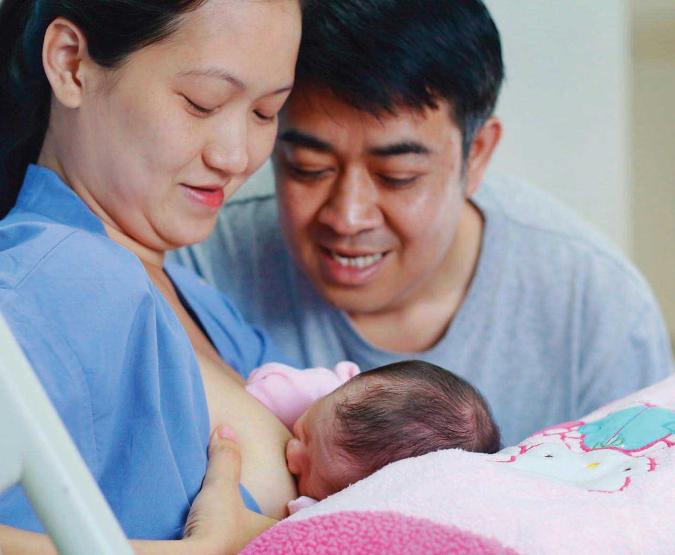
(37, 452)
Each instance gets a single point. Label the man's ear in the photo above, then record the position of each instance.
(483, 146)
(65, 58)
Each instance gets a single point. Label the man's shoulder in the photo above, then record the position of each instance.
(543, 232)
(524, 205)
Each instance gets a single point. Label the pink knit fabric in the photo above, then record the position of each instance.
(371, 533)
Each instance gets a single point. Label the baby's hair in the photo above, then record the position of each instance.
(407, 409)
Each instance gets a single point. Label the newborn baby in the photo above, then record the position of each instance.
(347, 425)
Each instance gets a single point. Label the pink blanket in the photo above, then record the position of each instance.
(602, 484)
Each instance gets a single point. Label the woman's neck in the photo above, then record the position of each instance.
(149, 256)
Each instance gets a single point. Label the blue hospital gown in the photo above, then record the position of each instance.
(113, 357)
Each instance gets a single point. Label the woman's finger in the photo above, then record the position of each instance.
(219, 500)
(218, 518)
(224, 469)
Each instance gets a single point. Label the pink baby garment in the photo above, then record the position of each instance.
(288, 392)
(301, 502)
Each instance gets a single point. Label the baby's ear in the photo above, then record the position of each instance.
(346, 370)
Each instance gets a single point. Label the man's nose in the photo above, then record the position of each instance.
(352, 205)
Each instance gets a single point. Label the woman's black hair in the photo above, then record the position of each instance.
(113, 29)
(381, 55)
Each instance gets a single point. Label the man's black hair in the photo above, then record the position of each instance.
(381, 55)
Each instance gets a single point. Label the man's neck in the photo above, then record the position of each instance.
(419, 322)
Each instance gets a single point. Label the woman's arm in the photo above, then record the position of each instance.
(218, 523)
(20, 542)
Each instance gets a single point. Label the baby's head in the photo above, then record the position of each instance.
(401, 410)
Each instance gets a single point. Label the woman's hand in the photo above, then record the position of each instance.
(218, 519)
(218, 523)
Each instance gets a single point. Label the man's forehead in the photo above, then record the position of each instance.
(325, 124)
(382, 147)
(316, 98)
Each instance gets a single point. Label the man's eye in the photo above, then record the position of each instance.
(307, 174)
(398, 181)
(197, 108)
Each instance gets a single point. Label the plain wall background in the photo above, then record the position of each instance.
(653, 126)
(565, 104)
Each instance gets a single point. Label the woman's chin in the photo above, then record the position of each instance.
(188, 233)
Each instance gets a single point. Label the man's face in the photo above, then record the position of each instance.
(369, 206)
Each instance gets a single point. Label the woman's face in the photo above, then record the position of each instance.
(175, 131)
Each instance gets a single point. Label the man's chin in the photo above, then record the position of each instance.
(353, 300)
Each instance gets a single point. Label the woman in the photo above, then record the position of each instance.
(139, 119)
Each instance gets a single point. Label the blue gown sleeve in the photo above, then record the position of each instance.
(63, 379)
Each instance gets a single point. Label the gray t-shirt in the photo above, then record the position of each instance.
(555, 323)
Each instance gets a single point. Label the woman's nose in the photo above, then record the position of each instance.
(294, 455)
(227, 145)
(229, 158)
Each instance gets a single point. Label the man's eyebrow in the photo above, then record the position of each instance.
(298, 138)
(399, 149)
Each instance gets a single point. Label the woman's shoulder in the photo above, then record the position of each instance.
(82, 294)
(69, 274)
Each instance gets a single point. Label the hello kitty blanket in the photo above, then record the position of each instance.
(602, 484)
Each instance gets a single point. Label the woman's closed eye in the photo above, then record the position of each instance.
(197, 108)
(265, 118)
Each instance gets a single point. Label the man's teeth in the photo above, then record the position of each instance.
(357, 261)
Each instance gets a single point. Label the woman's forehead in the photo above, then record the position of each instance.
(253, 43)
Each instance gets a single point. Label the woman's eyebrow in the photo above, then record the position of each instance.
(215, 73)
(223, 75)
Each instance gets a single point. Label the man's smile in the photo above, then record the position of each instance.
(357, 261)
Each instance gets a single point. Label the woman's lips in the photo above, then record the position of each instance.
(212, 197)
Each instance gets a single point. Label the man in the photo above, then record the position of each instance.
(395, 247)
